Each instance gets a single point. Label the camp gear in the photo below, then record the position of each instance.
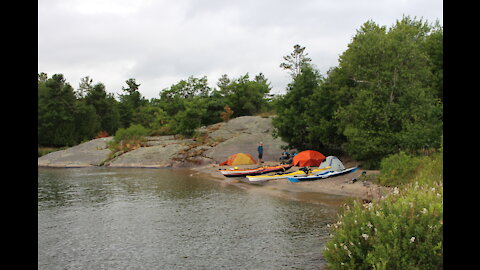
(308, 158)
(351, 181)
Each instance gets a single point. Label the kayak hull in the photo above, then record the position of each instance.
(323, 175)
(257, 171)
(258, 178)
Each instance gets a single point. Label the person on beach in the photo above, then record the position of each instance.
(260, 152)
(284, 159)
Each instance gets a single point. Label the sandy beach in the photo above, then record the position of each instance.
(333, 190)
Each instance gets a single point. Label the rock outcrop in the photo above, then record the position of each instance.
(91, 153)
(240, 134)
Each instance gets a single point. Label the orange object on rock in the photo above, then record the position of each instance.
(239, 159)
(308, 158)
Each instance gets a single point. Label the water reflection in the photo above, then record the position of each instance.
(157, 218)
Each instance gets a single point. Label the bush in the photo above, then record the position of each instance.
(128, 139)
(398, 169)
(134, 132)
(431, 169)
(403, 231)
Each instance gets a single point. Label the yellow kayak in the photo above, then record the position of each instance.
(284, 175)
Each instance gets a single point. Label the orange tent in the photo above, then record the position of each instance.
(308, 158)
(239, 159)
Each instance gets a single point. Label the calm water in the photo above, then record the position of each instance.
(97, 218)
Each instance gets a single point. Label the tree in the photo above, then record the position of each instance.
(84, 87)
(245, 96)
(130, 102)
(394, 104)
(186, 121)
(42, 77)
(87, 122)
(106, 107)
(434, 48)
(56, 112)
(293, 108)
(295, 61)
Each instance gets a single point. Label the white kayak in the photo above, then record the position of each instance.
(282, 175)
(321, 175)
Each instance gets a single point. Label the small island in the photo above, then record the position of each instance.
(224, 139)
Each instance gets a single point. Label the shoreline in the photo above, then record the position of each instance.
(333, 190)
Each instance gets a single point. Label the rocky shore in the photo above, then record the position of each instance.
(241, 134)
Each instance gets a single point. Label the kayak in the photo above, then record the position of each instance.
(322, 175)
(255, 171)
(281, 175)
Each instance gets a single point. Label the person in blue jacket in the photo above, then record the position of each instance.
(260, 152)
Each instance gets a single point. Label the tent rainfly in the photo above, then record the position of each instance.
(308, 158)
(334, 163)
(239, 159)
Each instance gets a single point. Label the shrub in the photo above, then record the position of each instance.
(431, 169)
(398, 169)
(127, 139)
(134, 132)
(403, 231)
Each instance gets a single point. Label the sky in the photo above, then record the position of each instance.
(161, 42)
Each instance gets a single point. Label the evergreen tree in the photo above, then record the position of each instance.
(130, 102)
(56, 112)
(106, 107)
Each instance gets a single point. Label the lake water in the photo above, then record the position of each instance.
(101, 218)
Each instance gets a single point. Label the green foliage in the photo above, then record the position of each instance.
(130, 102)
(398, 169)
(191, 103)
(404, 230)
(293, 111)
(186, 121)
(106, 107)
(394, 105)
(295, 61)
(56, 112)
(87, 122)
(67, 117)
(245, 96)
(134, 132)
(382, 98)
(127, 139)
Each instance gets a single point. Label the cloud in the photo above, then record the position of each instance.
(161, 42)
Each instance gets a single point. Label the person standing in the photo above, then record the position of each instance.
(260, 152)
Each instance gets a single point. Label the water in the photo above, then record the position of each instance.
(98, 218)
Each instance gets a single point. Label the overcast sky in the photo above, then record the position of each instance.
(160, 42)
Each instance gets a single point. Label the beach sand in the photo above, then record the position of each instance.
(332, 190)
